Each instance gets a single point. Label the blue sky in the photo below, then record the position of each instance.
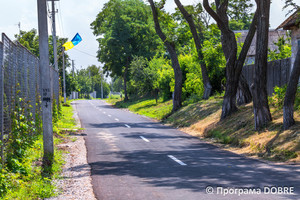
(75, 16)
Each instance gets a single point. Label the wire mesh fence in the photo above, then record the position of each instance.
(19, 82)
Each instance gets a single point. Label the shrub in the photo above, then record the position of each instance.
(277, 99)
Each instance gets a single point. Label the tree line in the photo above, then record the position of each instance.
(191, 52)
(84, 81)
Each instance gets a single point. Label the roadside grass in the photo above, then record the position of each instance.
(112, 99)
(236, 133)
(32, 184)
(147, 107)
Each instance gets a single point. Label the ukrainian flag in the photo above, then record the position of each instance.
(69, 45)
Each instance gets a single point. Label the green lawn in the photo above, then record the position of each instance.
(147, 107)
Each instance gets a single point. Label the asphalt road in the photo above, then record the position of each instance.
(134, 158)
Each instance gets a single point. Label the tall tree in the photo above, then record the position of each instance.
(198, 42)
(234, 62)
(289, 100)
(170, 45)
(261, 109)
(121, 27)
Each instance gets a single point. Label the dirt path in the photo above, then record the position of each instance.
(76, 181)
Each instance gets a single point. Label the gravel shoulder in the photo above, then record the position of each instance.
(76, 176)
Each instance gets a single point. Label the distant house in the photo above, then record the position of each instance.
(292, 24)
(274, 35)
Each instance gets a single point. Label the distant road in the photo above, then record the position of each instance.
(134, 158)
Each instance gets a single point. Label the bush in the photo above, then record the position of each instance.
(192, 78)
(277, 99)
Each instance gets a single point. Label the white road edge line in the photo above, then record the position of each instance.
(117, 119)
(176, 160)
(127, 126)
(145, 139)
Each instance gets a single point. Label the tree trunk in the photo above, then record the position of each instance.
(177, 102)
(243, 95)
(125, 83)
(234, 65)
(262, 115)
(289, 100)
(188, 17)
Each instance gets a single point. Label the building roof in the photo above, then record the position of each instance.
(290, 21)
(274, 35)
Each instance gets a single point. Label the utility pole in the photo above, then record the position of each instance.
(54, 34)
(64, 76)
(73, 67)
(101, 73)
(45, 83)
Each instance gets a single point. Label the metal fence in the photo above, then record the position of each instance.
(19, 78)
(278, 73)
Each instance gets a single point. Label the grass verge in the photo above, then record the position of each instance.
(147, 107)
(29, 182)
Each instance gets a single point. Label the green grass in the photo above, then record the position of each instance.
(147, 107)
(32, 185)
(67, 121)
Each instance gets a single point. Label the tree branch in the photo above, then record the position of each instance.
(248, 40)
(214, 14)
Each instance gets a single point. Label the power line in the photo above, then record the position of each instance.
(85, 53)
(61, 21)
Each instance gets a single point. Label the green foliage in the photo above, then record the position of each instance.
(148, 107)
(284, 49)
(117, 84)
(89, 80)
(123, 33)
(66, 120)
(165, 76)
(111, 96)
(215, 61)
(277, 98)
(142, 76)
(192, 79)
(21, 137)
(21, 177)
(240, 13)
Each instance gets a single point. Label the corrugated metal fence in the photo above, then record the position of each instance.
(19, 78)
(278, 73)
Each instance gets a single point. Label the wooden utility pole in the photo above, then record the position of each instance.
(54, 35)
(45, 83)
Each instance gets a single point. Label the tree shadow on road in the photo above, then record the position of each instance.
(206, 166)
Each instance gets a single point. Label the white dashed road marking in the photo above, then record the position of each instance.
(127, 126)
(176, 160)
(145, 139)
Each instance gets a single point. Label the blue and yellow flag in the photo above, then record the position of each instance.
(69, 45)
